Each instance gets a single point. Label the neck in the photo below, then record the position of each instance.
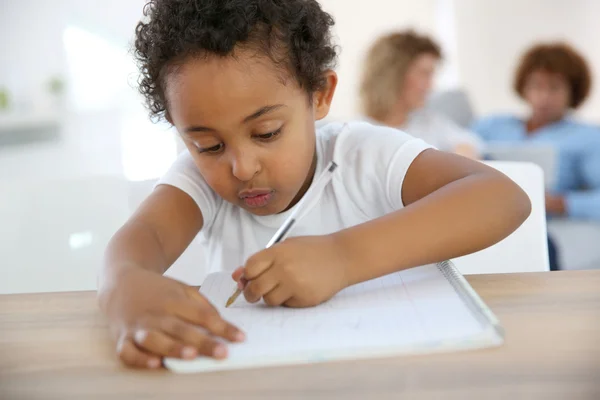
(397, 117)
(306, 184)
(534, 123)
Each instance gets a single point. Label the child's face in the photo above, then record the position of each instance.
(250, 130)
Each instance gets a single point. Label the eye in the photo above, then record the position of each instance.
(270, 135)
(213, 149)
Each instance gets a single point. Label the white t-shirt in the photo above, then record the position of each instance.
(372, 163)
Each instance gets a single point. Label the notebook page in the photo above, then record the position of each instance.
(416, 308)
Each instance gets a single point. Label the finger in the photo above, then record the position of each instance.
(196, 342)
(260, 286)
(193, 292)
(242, 283)
(134, 357)
(292, 302)
(278, 296)
(203, 314)
(258, 264)
(158, 342)
(237, 274)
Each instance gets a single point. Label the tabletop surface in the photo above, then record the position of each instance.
(56, 346)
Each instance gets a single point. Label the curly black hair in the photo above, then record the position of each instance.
(294, 34)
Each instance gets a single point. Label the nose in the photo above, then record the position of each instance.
(545, 96)
(245, 165)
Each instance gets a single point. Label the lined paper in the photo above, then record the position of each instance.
(410, 311)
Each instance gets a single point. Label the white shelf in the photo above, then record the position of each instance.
(12, 121)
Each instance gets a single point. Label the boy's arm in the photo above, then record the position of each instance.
(153, 238)
(453, 206)
(149, 315)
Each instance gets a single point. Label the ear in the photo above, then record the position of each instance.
(322, 98)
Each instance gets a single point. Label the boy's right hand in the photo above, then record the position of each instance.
(152, 316)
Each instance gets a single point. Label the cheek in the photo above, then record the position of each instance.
(531, 96)
(409, 86)
(217, 175)
(289, 163)
(564, 99)
(557, 102)
(217, 179)
(415, 82)
(428, 81)
(422, 88)
(416, 93)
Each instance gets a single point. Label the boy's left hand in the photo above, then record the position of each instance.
(299, 272)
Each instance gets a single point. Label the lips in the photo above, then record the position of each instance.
(256, 198)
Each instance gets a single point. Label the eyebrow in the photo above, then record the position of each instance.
(257, 114)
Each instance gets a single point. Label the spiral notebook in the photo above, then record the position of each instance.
(420, 310)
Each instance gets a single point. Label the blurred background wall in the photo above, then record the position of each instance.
(84, 45)
(482, 40)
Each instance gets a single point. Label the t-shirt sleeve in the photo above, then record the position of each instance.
(185, 176)
(375, 161)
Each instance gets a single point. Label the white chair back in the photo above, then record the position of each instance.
(545, 156)
(526, 249)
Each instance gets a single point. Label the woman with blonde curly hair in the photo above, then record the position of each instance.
(397, 78)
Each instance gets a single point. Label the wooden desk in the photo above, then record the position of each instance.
(55, 346)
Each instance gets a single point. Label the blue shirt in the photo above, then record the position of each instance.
(578, 149)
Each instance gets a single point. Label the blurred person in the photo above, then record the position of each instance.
(397, 79)
(554, 79)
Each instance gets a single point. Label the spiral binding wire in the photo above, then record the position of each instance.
(471, 299)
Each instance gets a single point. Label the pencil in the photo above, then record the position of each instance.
(233, 297)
